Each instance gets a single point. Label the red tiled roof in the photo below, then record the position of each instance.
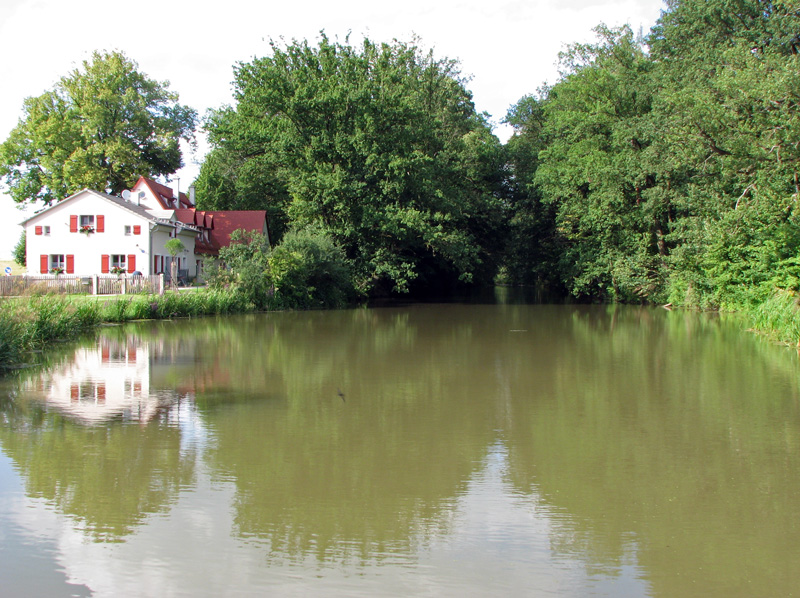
(220, 225)
(189, 216)
(225, 222)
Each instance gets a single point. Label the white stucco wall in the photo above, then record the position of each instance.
(160, 236)
(86, 249)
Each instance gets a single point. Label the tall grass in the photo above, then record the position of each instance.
(28, 325)
(777, 316)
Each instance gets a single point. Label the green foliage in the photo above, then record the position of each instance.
(778, 316)
(99, 127)
(609, 232)
(20, 250)
(174, 247)
(379, 145)
(309, 271)
(306, 270)
(533, 246)
(30, 324)
(246, 270)
(668, 172)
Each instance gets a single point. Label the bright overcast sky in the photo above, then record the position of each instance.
(508, 47)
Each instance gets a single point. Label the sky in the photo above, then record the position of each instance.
(509, 48)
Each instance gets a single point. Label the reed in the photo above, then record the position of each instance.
(29, 324)
(777, 316)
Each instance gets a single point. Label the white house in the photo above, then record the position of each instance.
(92, 232)
(96, 233)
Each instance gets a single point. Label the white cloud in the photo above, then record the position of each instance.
(509, 47)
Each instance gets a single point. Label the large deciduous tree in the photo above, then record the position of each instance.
(669, 164)
(99, 127)
(592, 170)
(378, 144)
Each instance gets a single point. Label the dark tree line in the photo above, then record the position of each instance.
(666, 168)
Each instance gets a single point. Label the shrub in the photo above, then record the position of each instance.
(309, 270)
(248, 268)
(19, 250)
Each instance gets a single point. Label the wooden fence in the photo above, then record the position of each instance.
(81, 285)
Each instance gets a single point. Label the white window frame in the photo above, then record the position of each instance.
(46, 230)
(86, 220)
(128, 230)
(58, 260)
(118, 261)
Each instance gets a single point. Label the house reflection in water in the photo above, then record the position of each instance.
(108, 381)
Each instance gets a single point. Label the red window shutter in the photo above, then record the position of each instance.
(38, 230)
(131, 262)
(43, 264)
(104, 259)
(73, 223)
(137, 229)
(101, 224)
(70, 264)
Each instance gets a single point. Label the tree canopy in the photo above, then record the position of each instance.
(100, 127)
(666, 168)
(378, 144)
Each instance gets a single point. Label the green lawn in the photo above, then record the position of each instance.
(15, 267)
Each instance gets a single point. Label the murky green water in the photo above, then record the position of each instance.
(426, 450)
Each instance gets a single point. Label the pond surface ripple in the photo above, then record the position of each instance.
(427, 450)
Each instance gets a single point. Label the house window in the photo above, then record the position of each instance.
(57, 261)
(118, 261)
(87, 221)
(128, 229)
(46, 230)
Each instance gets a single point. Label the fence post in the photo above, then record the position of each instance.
(161, 284)
(124, 285)
(94, 284)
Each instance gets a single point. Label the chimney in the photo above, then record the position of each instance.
(191, 195)
(176, 192)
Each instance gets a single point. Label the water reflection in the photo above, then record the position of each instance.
(65, 431)
(680, 443)
(372, 475)
(110, 380)
(550, 449)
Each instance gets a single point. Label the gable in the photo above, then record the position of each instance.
(157, 196)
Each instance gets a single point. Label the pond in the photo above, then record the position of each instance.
(428, 450)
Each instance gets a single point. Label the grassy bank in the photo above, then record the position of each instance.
(29, 324)
(777, 317)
